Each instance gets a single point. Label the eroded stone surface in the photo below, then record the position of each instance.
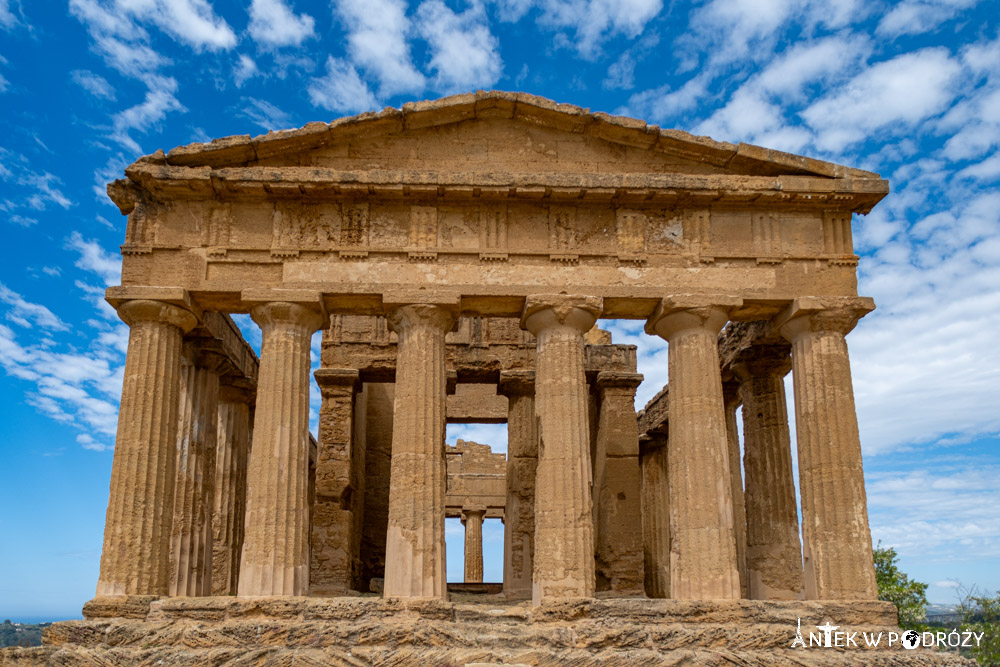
(368, 631)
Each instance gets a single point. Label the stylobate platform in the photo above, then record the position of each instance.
(142, 630)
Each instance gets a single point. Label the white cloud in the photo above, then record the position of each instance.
(80, 389)
(265, 114)
(45, 190)
(27, 314)
(376, 41)
(755, 113)
(899, 93)
(7, 18)
(142, 117)
(273, 23)
(942, 507)
(94, 84)
(621, 73)
(119, 40)
(926, 362)
(88, 442)
(96, 259)
(918, 16)
(465, 54)
(190, 21)
(593, 21)
(664, 104)
(342, 89)
(986, 170)
(22, 220)
(244, 70)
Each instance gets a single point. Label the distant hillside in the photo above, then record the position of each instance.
(21, 634)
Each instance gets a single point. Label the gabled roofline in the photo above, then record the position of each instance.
(243, 149)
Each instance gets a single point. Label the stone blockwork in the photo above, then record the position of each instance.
(366, 631)
(476, 479)
(457, 255)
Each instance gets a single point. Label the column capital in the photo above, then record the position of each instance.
(731, 393)
(473, 512)
(333, 381)
(615, 380)
(516, 383)
(402, 316)
(762, 360)
(302, 313)
(811, 314)
(542, 311)
(684, 312)
(158, 312)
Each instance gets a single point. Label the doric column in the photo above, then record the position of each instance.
(415, 547)
(564, 529)
(619, 524)
(333, 512)
(275, 558)
(472, 519)
(836, 540)
(194, 491)
(703, 543)
(136, 551)
(522, 464)
(774, 555)
(731, 401)
(231, 452)
(655, 515)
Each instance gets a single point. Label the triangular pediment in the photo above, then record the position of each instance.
(497, 132)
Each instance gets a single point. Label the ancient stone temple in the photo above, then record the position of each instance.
(457, 255)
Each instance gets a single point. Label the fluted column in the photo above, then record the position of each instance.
(774, 552)
(522, 464)
(655, 515)
(275, 558)
(232, 449)
(703, 544)
(731, 401)
(472, 519)
(415, 547)
(136, 551)
(191, 531)
(619, 524)
(564, 528)
(836, 540)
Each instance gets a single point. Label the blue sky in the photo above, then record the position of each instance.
(910, 89)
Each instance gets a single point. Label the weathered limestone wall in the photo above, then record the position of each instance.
(476, 479)
(617, 486)
(378, 448)
(333, 568)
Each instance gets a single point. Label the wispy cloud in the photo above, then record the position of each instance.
(464, 53)
(95, 84)
(377, 43)
(27, 314)
(265, 114)
(341, 89)
(274, 24)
